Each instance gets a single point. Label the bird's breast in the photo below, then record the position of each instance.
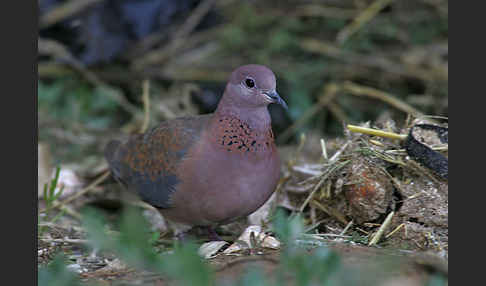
(229, 181)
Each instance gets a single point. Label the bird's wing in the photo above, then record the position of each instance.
(147, 163)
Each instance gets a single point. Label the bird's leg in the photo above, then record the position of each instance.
(181, 236)
(180, 231)
(185, 236)
(212, 234)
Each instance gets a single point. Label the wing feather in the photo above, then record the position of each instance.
(147, 163)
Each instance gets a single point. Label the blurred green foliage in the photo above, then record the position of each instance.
(134, 245)
(437, 280)
(308, 267)
(300, 264)
(72, 101)
(184, 265)
(56, 274)
(263, 39)
(259, 38)
(50, 196)
(71, 114)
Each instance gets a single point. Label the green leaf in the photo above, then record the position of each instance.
(56, 274)
(94, 223)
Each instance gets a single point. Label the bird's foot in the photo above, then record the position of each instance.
(182, 237)
(213, 236)
(198, 231)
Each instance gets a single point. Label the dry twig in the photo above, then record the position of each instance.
(178, 39)
(64, 11)
(381, 62)
(376, 132)
(359, 90)
(146, 105)
(59, 52)
(329, 92)
(382, 228)
(361, 20)
(80, 193)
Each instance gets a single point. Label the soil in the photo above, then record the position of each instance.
(350, 207)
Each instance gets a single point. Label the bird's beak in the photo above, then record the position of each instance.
(276, 98)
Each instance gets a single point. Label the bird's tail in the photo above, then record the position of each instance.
(110, 151)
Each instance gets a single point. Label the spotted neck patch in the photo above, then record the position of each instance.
(235, 135)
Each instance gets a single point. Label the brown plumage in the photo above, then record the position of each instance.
(209, 169)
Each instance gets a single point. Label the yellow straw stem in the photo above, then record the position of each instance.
(376, 132)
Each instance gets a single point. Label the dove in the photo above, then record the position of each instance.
(212, 169)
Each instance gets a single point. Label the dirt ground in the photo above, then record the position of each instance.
(345, 201)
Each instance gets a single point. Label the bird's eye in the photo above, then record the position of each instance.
(249, 82)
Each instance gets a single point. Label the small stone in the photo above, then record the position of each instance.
(244, 241)
(210, 249)
(76, 268)
(368, 192)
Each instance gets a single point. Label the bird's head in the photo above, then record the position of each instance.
(253, 86)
